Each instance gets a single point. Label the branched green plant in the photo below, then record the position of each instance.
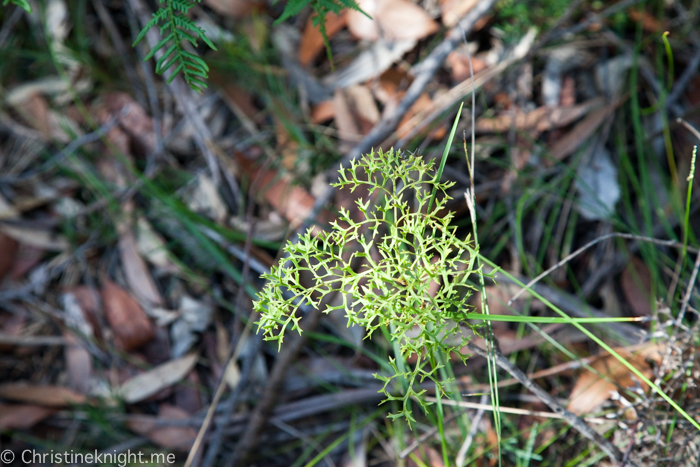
(20, 3)
(320, 8)
(402, 251)
(176, 26)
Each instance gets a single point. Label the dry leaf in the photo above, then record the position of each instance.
(322, 112)
(135, 269)
(129, 323)
(233, 8)
(7, 210)
(169, 437)
(292, 202)
(27, 258)
(78, 364)
(636, 284)
(152, 247)
(422, 103)
(458, 61)
(538, 120)
(42, 239)
(8, 252)
(363, 106)
(590, 390)
(312, 40)
(428, 456)
(136, 122)
(149, 383)
(203, 197)
(348, 129)
(454, 10)
(390, 20)
(22, 417)
(48, 396)
(287, 147)
(581, 132)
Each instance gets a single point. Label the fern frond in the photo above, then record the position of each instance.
(24, 4)
(176, 26)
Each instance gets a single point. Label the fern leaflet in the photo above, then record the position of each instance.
(20, 3)
(176, 26)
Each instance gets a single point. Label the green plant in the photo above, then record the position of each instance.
(176, 26)
(20, 3)
(403, 251)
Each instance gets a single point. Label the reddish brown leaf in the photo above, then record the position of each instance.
(27, 257)
(322, 112)
(636, 284)
(48, 396)
(128, 321)
(312, 40)
(22, 417)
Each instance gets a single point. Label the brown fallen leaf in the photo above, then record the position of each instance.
(453, 10)
(348, 128)
(391, 20)
(538, 120)
(47, 396)
(8, 252)
(169, 437)
(27, 257)
(291, 201)
(582, 131)
(136, 123)
(21, 416)
(458, 61)
(149, 383)
(35, 237)
(427, 456)
(322, 112)
(128, 321)
(591, 390)
(78, 364)
(636, 284)
(135, 269)
(312, 40)
(422, 103)
(232, 8)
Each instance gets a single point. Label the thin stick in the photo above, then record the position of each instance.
(576, 423)
(671, 243)
(511, 410)
(464, 449)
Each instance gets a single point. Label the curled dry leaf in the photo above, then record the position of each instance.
(48, 396)
(149, 383)
(169, 437)
(22, 417)
(636, 284)
(312, 40)
(128, 321)
(390, 20)
(591, 390)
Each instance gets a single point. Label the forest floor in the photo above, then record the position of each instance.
(138, 216)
